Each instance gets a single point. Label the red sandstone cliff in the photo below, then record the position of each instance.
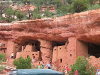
(84, 26)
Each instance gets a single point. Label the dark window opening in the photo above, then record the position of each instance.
(60, 60)
(19, 48)
(35, 44)
(70, 54)
(94, 50)
(24, 43)
(4, 51)
(33, 57)
(57, 43)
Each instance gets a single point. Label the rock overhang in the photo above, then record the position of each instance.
(84, 26)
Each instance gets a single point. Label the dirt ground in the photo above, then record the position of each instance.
(4, 73)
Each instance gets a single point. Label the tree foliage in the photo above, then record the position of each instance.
(99, 2)
(19, 15)
(91, 2)
(96, 6)
(47, 2)
(23, 1)
(62, 7)
(36, 14)
(1, 68)
(9, 14)
(80, 5)
(83, 67)
(3, 6)
(22, 63)
(2, 57)
(62, 10)
(48, 14)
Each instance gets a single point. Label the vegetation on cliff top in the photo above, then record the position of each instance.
(61, 8)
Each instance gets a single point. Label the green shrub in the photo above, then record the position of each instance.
(80, 5)
(2, 57)
(22, 63)
(19, 15)
(83, 67)
(9, 12)
(99, 2)
(96, 6)
(36, 14)
(63, 70)
(63, 10)
(91, 2)
(1, 68)
(48, 14)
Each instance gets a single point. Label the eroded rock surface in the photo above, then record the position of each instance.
(54, 39)
(84, 26)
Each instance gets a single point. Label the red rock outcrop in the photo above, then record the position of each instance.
(71, 28)
(84, 26)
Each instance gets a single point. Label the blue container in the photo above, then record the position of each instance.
(35, 72)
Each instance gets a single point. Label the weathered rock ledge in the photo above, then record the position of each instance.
(84, 26)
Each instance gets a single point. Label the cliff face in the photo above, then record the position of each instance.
(84, 26)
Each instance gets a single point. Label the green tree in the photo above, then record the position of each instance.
(96, 6)
(36, 14)
(99, 2)
(69, 1)
(1, 9)
(22, 63)
(48, 14)
(19, 15)
(9, 14)
(63, 10)
(26, 1)
(91, 2)
(3, 6)
(57, 3)
(80, 5)
(83, 67)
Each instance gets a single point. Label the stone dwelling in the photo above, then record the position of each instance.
(60, 40)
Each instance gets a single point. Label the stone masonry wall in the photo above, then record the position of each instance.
(10, 48)
(46, 50)
(71, 49)
(66, 54)
(82, 49)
